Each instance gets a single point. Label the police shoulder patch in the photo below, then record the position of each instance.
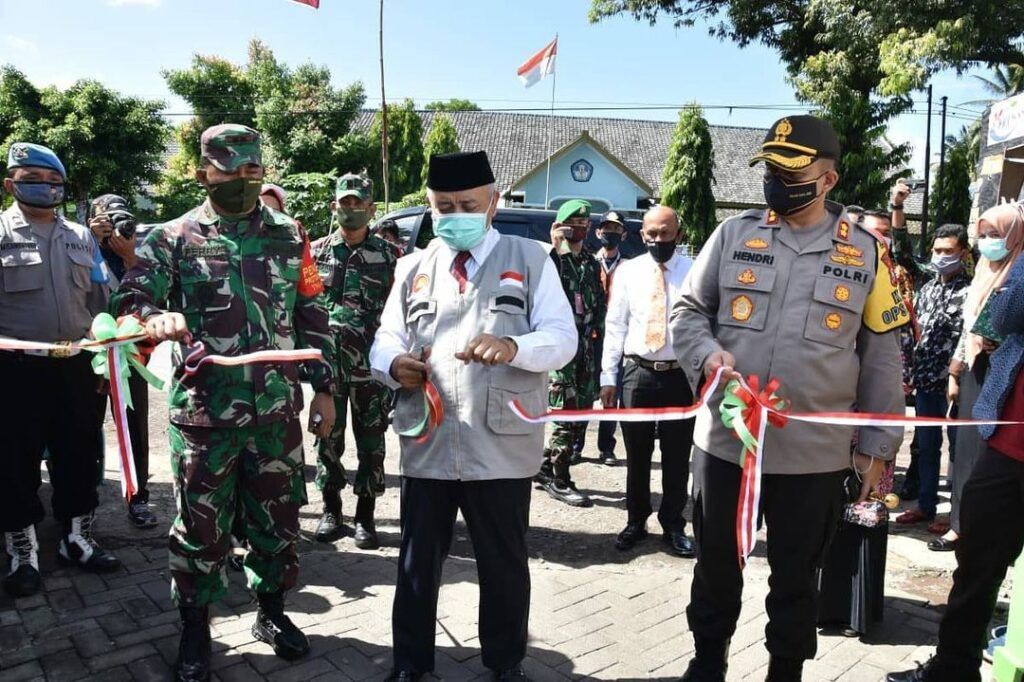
(885, 309)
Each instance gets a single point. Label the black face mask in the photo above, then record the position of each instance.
(786, 199)
(611, 240)
(661, 252)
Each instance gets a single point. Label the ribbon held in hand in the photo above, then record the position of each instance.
(433, 414)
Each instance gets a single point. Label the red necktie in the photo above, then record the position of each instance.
(459, 270)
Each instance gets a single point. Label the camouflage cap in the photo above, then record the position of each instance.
(352, 185)
(230, 146)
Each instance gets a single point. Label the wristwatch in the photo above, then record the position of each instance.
(895, 207)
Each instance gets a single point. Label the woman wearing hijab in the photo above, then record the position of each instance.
(1000, 239)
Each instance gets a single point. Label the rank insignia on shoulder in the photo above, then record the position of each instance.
(747, 277)
(846, 260)
(742, 308)
(842, 293)
(757, 243)
(420, 283)
(848, 250)
(843, 231)
(833, 321)
(771, 217)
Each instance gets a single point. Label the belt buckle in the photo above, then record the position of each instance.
(63, 352)
(662, 366)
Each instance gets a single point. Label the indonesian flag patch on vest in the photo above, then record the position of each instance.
(511, 279)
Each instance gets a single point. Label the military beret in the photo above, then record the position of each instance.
(352, 185)
(573, 208)
(796, 142)
(459, 171)
(230, 146)
(25, 154)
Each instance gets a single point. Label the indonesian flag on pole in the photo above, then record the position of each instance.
(539, 65)
(315, 4)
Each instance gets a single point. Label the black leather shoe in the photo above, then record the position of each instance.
(330, 526)
(679, 544)
(710, 661)
(784, 670)
(402, 676)
(565, 491)
(24, 582)
(942, 545)
(918, 674)
(629, 536)
(514, 673)
(609, 459)
(546, 473)
(193, 664)
(366, 535)
(276, 629)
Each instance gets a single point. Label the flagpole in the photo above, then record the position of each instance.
(383, 115)
(551, 125)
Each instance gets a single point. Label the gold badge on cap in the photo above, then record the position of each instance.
(842, 293)
(747, 277)
(833, 321)
(742, 308)
(783, 130)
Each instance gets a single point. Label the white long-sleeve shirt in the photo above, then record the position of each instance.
(625, 328)
(550, 345)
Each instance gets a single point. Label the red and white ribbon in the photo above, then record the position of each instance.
(196, 357)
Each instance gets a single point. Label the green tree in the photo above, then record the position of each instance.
(952, 198)
(309, 200)
(688, 175)
(454, 104)
(442, 138)
(176, 192)
(405, 149)
(21, 107)
(856, 61)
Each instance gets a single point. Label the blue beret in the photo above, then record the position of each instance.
(27, 154)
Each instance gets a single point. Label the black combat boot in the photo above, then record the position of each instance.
(546, 473)
(366, 527)
(784, 669)
(22, 578)
(330, 526)
(563, 489)
(78, 548)
(193, 664)
(276, 629)
(709, 663)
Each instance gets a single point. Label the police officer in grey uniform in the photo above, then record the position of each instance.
(482, 315)
(52, 283)
(799, 293)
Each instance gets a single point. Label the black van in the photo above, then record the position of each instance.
(523, 222)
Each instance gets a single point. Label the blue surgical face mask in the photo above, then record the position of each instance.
(946, 264)
(993, 248)
(461, 231)
(39, 194)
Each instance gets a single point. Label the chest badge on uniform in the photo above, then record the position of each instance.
(848, 250)
(833, 321)
(757, 243)
(747, 277)
(742, 308)
(846, 260)
(420, 283)
(843, 231)
(842, 293)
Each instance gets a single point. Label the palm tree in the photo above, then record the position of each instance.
(1007, 80)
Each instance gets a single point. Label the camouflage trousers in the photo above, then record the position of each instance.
(370, 401)
(572, 387)
(252, 471)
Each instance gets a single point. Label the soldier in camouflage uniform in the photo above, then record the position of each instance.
(238, 277)
(357, 269)
(575, 385)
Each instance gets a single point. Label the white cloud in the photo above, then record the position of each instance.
(122, 3)
(18, 44)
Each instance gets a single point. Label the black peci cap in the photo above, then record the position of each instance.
(796, 142)
(459, 171)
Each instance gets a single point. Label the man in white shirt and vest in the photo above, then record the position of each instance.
(637, 328)
(483, 317)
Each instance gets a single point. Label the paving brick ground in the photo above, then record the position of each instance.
(597, 613)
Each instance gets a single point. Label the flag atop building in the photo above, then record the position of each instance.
(539, 65)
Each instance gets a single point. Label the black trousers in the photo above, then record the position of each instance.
(991, 538)
(801, 512)
(47, 404)
(138, 429)
(643, 387)
(497, 514)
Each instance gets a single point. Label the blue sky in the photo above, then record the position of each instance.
(434, 49)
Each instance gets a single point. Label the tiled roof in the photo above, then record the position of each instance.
(517, 142)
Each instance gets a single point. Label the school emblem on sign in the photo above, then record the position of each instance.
(747, 277)
(420, 283)
(846, 260)
(756, 244)
(742, 308)
(833, 321)
(842, 293)
(848, 250)
(843, 231)
(582, 170)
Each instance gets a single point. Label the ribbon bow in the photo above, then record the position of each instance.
(748, 411)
